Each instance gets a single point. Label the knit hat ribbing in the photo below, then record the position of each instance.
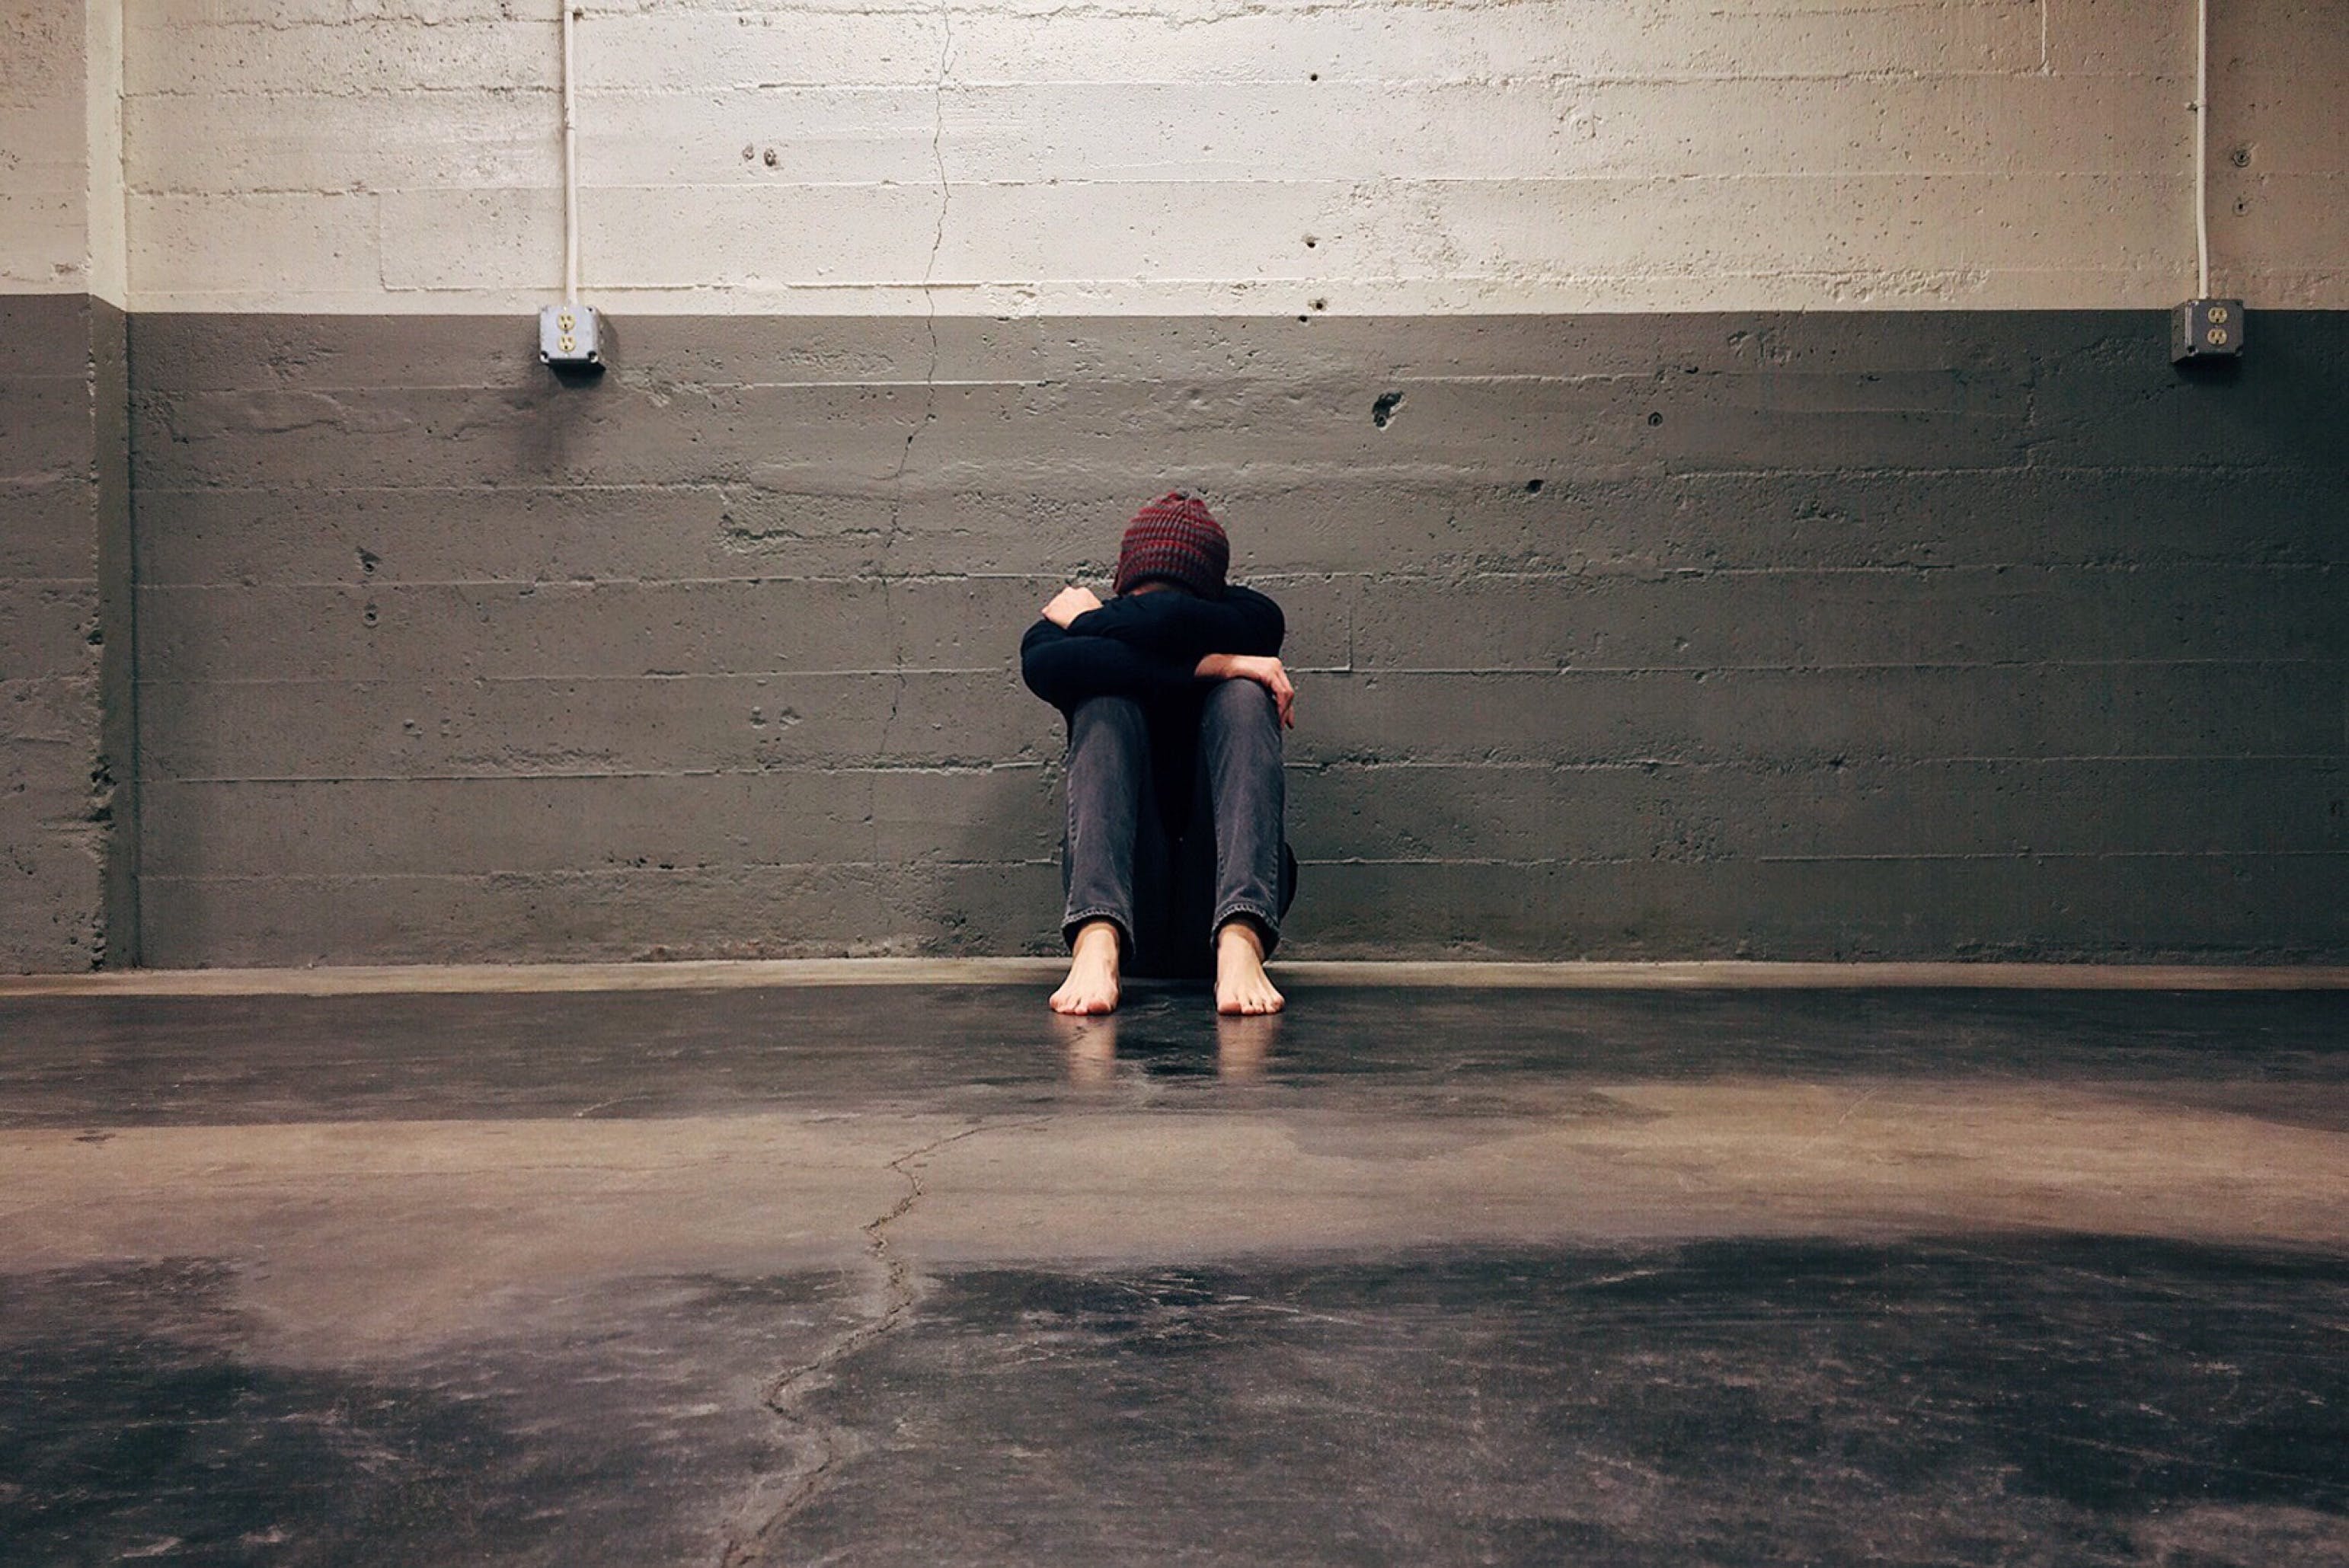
(1174, 540)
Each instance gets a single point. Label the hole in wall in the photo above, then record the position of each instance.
(1654, 419)
(1383, 409)
(1533, 487)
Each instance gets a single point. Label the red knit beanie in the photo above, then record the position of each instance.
(1174, 540)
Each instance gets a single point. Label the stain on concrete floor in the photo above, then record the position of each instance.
(143, 1416)
(2062, 1400)
(912, 1278)
(2074, 1400)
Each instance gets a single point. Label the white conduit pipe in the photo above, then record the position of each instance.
(2202, 149)
(570, 166)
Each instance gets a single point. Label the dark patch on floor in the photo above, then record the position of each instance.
(173, 1061)
(2079, 1401)
(2074, 1401)
(140, 1420)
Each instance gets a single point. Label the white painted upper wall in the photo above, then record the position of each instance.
(44, 148)
(62, 212)
(1224, 156)
(105, 198)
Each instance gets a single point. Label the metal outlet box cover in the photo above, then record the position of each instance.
(2206, 329)
(568, 334)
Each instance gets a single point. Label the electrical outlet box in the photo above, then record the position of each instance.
(2206, 329)
(568, 336)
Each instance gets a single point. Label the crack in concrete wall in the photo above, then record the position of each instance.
(929, 385)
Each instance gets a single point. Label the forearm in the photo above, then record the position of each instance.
(1176, 625)
(1065, 669)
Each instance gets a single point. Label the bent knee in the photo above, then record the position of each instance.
(1112, 721)
(1244, 702)
(1109, 712)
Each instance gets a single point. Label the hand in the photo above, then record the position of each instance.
(1263, 669)
(1069, 604)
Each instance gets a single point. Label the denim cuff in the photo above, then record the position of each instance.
(1076, 919)
(1267, 921)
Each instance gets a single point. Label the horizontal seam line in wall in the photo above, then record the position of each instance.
(1227, 287)
(883, 672)
(2059, 855)
(524, 586)
(581, 873)
(1362, 669)
(1958, 856)
(351, 300)
(811, 769)
(687, 389)
(1357, 671)
(1594, 574)
(1138, 175)
(663, 487)
(1430, 473)
(1772, 766)
(588, 873)
(926, 89)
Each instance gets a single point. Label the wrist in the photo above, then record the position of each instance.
(1214, 667)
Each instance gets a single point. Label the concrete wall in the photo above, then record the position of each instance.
(51, 848)
(1231, 156)
(65, 876)
(44, 148)
(1793, 635)
(1790, 540)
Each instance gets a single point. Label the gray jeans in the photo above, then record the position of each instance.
(1169, 895)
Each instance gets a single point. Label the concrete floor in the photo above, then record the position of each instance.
(917, 1274)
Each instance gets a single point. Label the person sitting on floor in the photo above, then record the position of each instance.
(1175, 699)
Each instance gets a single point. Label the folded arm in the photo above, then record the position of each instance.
(1178, 626)
(1065, 668)
(1152, 646)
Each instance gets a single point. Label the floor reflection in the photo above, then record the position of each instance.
(1244, 1047)
(1244, 1050)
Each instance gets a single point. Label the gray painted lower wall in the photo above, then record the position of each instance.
(1814, 636)
(64, 518)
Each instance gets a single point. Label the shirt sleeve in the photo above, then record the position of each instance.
(1177, 625)
(1065, 668)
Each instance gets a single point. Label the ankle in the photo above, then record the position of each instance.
(1239, 936)
(1097, 941)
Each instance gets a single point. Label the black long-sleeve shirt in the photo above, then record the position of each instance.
(1147, 647)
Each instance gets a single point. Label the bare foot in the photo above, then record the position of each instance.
(1091, 985)
(1241, 985)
